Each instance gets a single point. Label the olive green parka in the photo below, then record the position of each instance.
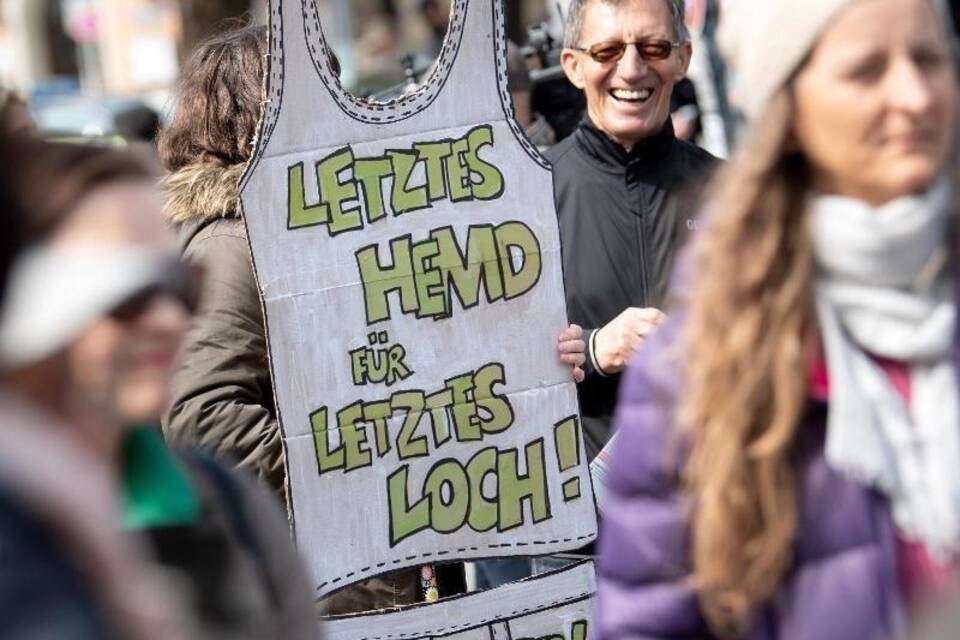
(222, 397)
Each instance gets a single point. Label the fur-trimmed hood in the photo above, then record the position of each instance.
(202, 192)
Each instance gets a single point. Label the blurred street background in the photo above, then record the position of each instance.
(82, 64)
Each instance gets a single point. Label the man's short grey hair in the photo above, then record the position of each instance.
(576, 11)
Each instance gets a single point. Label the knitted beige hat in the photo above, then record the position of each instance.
(764, 41)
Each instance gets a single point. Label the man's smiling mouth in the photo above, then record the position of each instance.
(631, 95)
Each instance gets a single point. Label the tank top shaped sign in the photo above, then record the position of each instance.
(408, 257)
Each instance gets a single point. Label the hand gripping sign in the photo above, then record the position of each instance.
(409, 262)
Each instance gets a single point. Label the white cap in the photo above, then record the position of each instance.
(54, 294)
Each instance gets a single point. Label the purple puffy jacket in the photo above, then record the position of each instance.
(842, 585)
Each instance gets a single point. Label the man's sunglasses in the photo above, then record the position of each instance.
(650, 49)
(173, 279)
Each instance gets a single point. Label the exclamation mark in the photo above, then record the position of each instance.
(566, 435)
(579, 630)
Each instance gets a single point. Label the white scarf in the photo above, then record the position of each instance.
(881, 289)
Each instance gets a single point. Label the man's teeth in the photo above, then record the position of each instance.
(631, 94)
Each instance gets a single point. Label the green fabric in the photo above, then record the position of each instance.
(157, 493)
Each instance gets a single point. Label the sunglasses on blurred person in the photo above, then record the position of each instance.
(174, 280)
(650, 50)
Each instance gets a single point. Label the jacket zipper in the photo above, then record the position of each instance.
(642, 239)
(644, 285)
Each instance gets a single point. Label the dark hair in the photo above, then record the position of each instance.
(139, 123)
(219, 100)
(55, 177)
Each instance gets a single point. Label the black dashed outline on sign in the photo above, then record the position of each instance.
(274, 91)
(467, 626)
(274, 83)
(395, 110)
(411, 560)
(500, 58)
(421, 99)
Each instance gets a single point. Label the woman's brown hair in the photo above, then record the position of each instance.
(747, 364)
(219, 100)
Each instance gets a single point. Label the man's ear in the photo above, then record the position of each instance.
(683, 60)
(573, 67)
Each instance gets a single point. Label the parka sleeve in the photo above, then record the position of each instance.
(222, 397)
(643, 584)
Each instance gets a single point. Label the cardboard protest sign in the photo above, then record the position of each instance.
(554, 606)
(408, 258)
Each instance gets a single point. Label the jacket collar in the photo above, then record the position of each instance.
(602, 148)
(202, 191)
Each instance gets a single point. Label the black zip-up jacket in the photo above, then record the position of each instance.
(622, 218)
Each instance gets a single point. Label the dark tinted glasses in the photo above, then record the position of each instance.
(175, 280)
(650, 49)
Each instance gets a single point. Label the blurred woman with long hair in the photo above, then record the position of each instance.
(788, 464)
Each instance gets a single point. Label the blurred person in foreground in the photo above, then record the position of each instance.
(68, 571)
(99, 308)
(789, 442)
(222, 392)
(619, 186)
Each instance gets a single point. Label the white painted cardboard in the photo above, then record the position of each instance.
(554, 606)
(478, 390)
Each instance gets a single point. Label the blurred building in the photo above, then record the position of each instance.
(138, 45)
(108, 46)
(33, 44)
(100, 51)
(372, 35)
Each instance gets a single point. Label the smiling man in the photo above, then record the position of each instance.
(619, 182)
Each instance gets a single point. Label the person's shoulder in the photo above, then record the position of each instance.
(695, 157)
(560, 152)
(199, 230)
(213, 240)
